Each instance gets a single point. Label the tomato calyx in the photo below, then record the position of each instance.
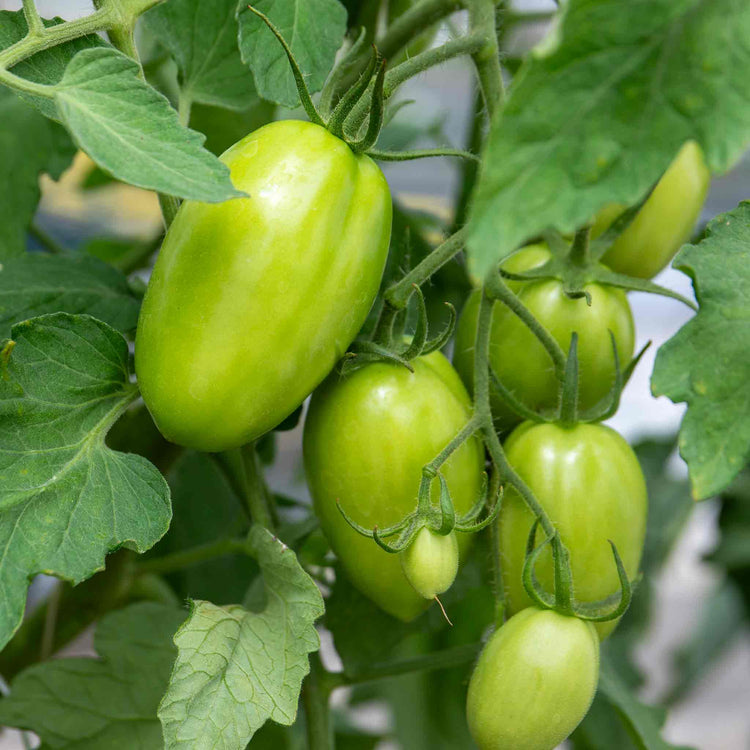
(578, 264)
(563, 599)
(343, 121)
(387, 342)
(440, 519)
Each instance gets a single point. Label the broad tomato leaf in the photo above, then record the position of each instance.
(66, 500)
(131, 131)
(35, 284)
(201, 35)
(29, 145)
(108, 702)
(48, 65)
(707, 362)
(601, 109)
(314, 29)
(236, 668)
(643, 722)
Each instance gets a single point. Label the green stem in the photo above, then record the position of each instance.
(450, 657)
(404, 30)
(498, 590)
(51, 36)
(482, 22)
(497, 287)
(397, 295)
(412, 23)
(33, 19)
(470, 169)
(315, 695)
(257, 497)
(50, 623)
(169, 205)
(483, 411)
(465, 45)
(195, 555)
(50, 244)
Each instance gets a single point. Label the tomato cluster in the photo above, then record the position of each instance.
(252, 303)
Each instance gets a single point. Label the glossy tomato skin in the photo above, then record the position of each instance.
(522, 363)
(430, 562)
(366, 438)
(590, 483)
(252, 301)
(534, 682)
(664, 222)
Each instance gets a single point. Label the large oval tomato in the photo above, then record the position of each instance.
(522, 363)
(253, 301)
(534, 682)
(366, 438)
(665, 220)
(589, 482)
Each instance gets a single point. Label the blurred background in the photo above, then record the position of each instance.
(696, 624)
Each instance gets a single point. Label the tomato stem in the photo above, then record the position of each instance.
(445, 659)
(397, 295)
(192, 556)
(483, 23)
(497, 287)
(316, 692)
(465, 45)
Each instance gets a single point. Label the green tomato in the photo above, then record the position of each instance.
(430, 562)
(253, 301)
(522, 363)
(664, 222)
(534, 682)
(589, 482)
(366, 438)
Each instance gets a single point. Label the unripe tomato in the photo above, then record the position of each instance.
(534, 682)
(366, 438)
(519, 359)
(253, 301)
(589, 482)
(430, 562)
(664, 222)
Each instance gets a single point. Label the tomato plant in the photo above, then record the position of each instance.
(534, 681)
(520, 361)
(232, 442)
(346, 460)
(213, 372)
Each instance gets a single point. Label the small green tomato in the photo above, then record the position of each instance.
(430, 562)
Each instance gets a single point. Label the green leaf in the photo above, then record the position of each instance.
(110, 702)
(643, 722)
(131, 131)
(314, 29)
(201, 35)
(29, 145)
(707, 362)
(603, 106)
(66, 500)
(36, 283)
(46, 66)
(236, 668)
